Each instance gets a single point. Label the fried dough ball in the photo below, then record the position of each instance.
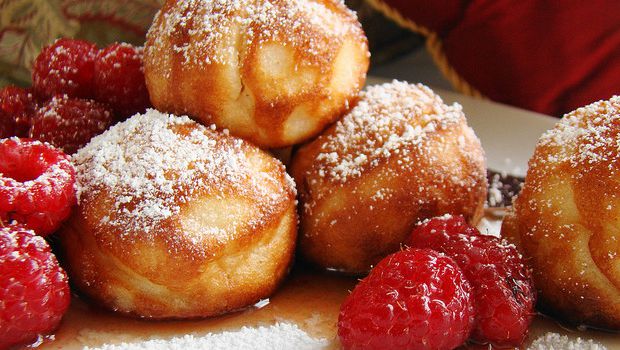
(400, 156)
(566, 220)
(177, 220)
(275, 72)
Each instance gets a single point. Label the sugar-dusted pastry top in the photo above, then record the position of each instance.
(584, 138)
(390, 120)
(312, 27)
(154, 164)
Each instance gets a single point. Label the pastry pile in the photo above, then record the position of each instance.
(183, 211)
(176, 219)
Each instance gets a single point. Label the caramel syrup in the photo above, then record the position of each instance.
(309, 298)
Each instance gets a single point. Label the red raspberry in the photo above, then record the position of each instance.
(34, 292)
(17, 106)
(438, 230)
(119, 79)
(412, 299)
(65, 67)
(69, 123)
(503, 291)
(36, 185)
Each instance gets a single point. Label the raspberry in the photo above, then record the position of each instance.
(65, 67)
(36, 185)
(119, 79)
(17, 107)
(439, 230)
(69, 123)
(412, 299)
(34, 292)
(503, 292)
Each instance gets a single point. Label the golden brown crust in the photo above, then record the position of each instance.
(566, 218)
(221, 238)
(275, 72)
(166, 287)
(399, 157)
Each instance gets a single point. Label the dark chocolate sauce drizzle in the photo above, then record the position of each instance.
(508, 186)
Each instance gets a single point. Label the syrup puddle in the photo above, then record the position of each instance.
(309, 299)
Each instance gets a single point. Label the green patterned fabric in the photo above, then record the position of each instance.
(28, 25)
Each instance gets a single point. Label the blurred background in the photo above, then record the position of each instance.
(544, 56)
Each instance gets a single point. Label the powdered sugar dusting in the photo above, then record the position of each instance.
(154, 163)
(586, 136)
(388, 120)
(503, 188)
(137, 53)
(555, 341)
(214, 22)
(279, 336)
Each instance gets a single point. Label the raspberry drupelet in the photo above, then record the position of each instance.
(36, 185)
(69, 123)
(34, 291)
(17, 106)
(119, 79)
(65, 67)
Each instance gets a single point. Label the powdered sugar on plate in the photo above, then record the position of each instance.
(555, 341)
(277, 336)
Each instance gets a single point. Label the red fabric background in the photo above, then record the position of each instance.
(547, 56)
